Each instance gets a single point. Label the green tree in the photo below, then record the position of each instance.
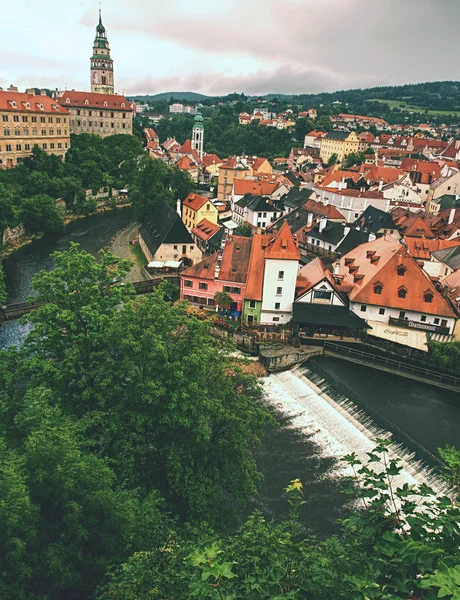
(355, 158)
(332, 160)
(223, 299)
(40, 213)
(244, 229)
(150, 186)
(2, 285)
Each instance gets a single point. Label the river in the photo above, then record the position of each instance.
(315, 429)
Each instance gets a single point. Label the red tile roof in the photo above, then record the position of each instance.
(235, 259)
(205, 229)
(195, 202)
(204, 269)
(186, 163)
(422, 247)
(211, 159)
(150, 134)
(283, 245)
(91, 100)
(311, 274)
(377, 262)
(256, 187)
(374, 173)
(256, 269)
(22, 102)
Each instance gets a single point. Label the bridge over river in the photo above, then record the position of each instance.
(14, 311)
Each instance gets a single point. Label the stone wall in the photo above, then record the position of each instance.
(13, 235)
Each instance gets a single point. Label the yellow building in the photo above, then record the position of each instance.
(195, 208)
(28, 120)
(341, 143)
(233, 168)
(237, 167)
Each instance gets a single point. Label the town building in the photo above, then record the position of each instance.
(239, 167)
(258, 211)
(352, 202)
(165, 238)
(195, 208)
(224, 271)
(102, 73)
(339, 143)
(101, 114)
(386, 285)
(313, 139)
(208, 236)
(198, 133)
(28, 120)
(332, 237)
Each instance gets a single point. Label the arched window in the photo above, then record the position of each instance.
(428, 296)
(378, 287)
(402, 292)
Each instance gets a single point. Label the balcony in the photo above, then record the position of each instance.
(407, 324)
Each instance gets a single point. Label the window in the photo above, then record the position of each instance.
(5, 118)
(45, 146)
(25, 119)
(444, 323)
(58, 119)
(42, 120)
(402, 292)
(279, 291)
(52, 146)
(16, 118)
(8, 147)
(6, 132)
(26, 131)
(184, 249)
(50, 119)
(188, 283)
(280, 274)
(202, 285)
(236, 290)
(428, 296)
(322, 295)
(191, 248)
(381, 311)
(402, 314)
(363, 308)
(250, 319)
(27, 147)
(101, 114)
(34, 119)
(401, 269)
(423, 318)
(175, 247)
(43, 131)
(378, 287)
(78, 112)
(436, 321)
(276, 319)
(59, 144)
(112, 115)
(17, 132)
(18, 147)
(210, 301)
(252, 303)
(227, 289)
(277, 305)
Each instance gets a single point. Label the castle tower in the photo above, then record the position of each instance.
(198, 132)
(101, 62)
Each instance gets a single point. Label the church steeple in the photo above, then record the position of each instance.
(198, 132)
(102, 80)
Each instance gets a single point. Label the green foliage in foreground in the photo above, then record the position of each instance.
(119, 416)
(127, 439)
(2, 285)
(402, 542)
(447, 356)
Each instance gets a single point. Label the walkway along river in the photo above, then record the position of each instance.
(315, 431)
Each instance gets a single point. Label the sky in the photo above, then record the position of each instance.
(214, 47)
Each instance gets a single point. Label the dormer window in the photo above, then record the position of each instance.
(402, 292)
(378, 287)
(86, 101)
(67, 100)
(122, 105)
(401, 269)
(105, 103)
(428, 296)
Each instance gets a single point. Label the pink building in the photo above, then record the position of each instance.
(223, 271)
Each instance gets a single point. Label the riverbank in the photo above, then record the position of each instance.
(68, 219)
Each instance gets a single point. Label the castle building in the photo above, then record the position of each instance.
(100, 111)
(198, 133)
(102, 77)
(28, 120)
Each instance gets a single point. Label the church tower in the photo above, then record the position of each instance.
(101, 62)
(198, 132)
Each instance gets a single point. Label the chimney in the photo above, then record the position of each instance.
(179, 208)
(13, 88)
(337, 267)
(43, 93)
(341, 185)
(309, 219)
(346, 231)
(31, 91)
(296, 241)
(322, 224)
(451, 216)
(372, 237)
(380, 185)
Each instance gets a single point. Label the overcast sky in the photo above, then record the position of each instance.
(217, 47)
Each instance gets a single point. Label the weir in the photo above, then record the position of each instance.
(340, 426)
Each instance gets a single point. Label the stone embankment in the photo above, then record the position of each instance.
(280, 358)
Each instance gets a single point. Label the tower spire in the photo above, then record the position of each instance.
(102, 79)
